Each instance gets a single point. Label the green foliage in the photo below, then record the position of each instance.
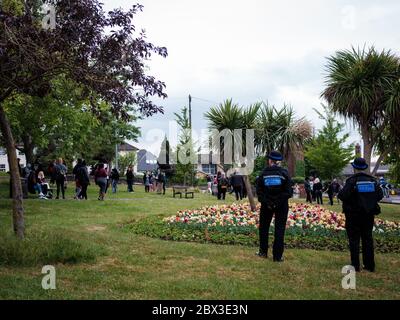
(185, 153)
(363, 86)
(45, 248)
(15, 7)
(296, 237)
(63, 124)
(298, 179)
(129, 159)
(326, 152)
(259, 165)
(300, 168)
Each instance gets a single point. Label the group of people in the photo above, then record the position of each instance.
(235, 184)
(360, 197)
(155, 182)
(35, 181)
(314, 190)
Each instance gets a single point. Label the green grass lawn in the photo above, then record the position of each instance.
(138, 267)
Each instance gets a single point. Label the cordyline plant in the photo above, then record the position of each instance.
(101, 52)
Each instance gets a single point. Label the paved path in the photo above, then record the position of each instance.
(392, 199)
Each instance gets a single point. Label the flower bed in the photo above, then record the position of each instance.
(307, 227)
(301, 216)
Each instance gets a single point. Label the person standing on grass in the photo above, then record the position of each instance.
(361, 195)
(307, 188)
(78, 187)
(219, 190)
(129, 178)
(237, 184)
(84, 181)
(209, 184)
(223, 184)
(114, 179)
(146, 182)
(60, 177)
(317, 187)
(100, 176)
(274, 188)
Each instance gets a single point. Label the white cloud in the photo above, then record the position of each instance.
(258, 49)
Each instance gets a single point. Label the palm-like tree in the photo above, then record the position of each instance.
(229, 116)
(280, 130)
(363, 86)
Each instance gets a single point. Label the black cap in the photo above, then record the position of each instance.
(360, 164)
(275, 155)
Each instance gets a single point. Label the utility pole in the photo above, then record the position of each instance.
(190, 112)
(116, 151)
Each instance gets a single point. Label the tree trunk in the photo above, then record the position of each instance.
(249, 193)
(17, 205)
(368, 146)
(381, 158)
(28, 148)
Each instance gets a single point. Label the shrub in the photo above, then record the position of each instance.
(42, 249)
(295, 238)
(298, 180)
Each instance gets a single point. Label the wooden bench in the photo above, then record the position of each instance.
(183, 190)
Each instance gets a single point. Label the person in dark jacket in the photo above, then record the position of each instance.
(219, 190)
(360, 197)
(61, 173)
(237, 184)
(274, 188)
(223, 184)
(114, 179)
(78, 187)
(307, 188)
(82, 175)
(100, 176)
(317, 188)
(129, 178)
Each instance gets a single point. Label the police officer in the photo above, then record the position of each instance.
(360, 197)
(274, 188)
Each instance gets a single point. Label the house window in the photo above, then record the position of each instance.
(2, 168)
(20, 153)
(2, 152)
(209, 168)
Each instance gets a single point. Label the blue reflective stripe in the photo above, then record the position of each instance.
(365, 186)
(272, 181)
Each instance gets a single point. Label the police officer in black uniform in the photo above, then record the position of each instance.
(274, 188)
(360, 197)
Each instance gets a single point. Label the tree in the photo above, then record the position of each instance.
(185, 153)
(100, 52)
(326, 152)
(363, 86)
(229, 117)
(129, 159)
(280, 130)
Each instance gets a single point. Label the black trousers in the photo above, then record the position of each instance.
(281, 214)
(318, 195)
(330, 195)
(83, 194)
(223, 193)
(359, 227)
(309, 197)
(219, 192)
(130, 185)
(238, 192)
(60, 185)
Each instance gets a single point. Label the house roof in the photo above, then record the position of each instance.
(127, 147)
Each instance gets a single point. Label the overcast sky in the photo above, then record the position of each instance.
(254, 50)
